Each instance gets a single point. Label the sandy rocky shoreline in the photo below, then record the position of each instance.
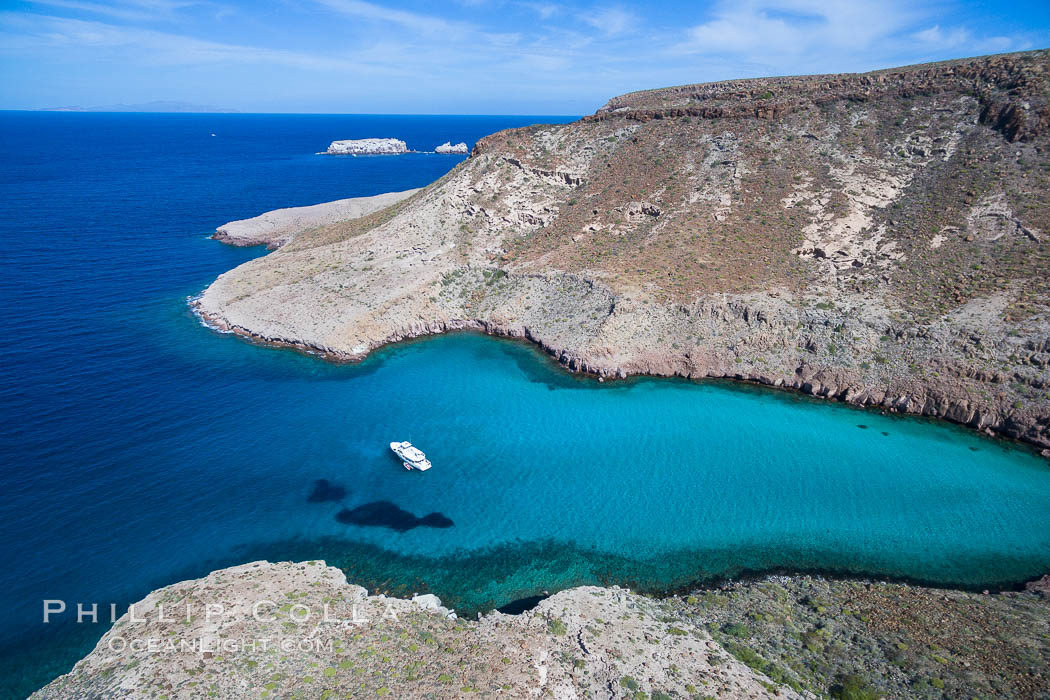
(848, 287)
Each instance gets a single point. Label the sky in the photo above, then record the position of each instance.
(466, 56)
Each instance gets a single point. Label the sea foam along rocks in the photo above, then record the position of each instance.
(367, 147)
(447, 147)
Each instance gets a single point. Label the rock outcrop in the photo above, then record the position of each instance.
(878, 239)
(449, 148)
(367, 147)
(277, 227)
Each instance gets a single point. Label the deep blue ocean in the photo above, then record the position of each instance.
(138, 448)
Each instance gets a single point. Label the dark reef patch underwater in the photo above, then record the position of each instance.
(116, 400)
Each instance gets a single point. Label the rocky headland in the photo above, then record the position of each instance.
(289, 630)
(275, 228)
(367, 147)
(882, 239)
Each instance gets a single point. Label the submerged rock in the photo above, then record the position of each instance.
(436, 520)
(325, 491)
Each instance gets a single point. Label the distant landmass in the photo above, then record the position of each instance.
(158, 106)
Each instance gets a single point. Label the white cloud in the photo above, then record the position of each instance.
(935, 35)
(149, 47)
(961, 37)
(127, 10)
(545, 10)
(796, 26)
(610, 21)
(796, 36)
(413, 21)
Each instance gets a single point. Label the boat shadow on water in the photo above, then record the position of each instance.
(389, 515)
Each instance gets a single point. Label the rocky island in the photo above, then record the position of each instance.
(449, 148)
(367, 147)
(881, 239)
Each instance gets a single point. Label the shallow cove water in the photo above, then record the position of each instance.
(140, 448)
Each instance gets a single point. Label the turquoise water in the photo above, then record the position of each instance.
(656, 483)
(140, 448)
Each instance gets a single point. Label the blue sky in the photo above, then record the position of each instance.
(465, 56)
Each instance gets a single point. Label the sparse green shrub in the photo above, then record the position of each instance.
(853, 687)
(747, 655)
(736, 629)
(813, 640)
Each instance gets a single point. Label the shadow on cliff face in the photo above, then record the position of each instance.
(516, 607)
(324, 491)
(386, 514)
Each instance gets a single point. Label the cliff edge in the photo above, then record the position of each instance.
(265, 630)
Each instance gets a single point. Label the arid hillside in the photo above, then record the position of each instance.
(882, 238)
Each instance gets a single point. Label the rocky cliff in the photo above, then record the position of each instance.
(289, 630)
(882, 239)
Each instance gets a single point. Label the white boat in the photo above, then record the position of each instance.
(411, 457)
